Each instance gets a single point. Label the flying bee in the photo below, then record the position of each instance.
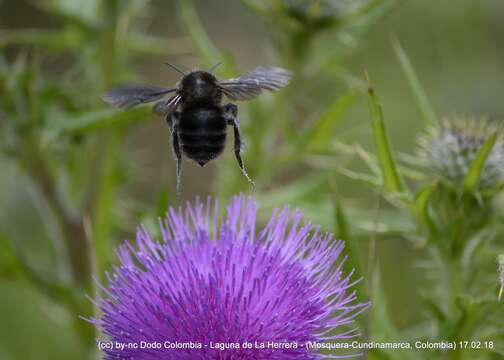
(195, 111)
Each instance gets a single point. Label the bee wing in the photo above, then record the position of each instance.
(127, 96)
(165, 106)
(251, 84)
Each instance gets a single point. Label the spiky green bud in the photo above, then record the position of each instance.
(448, 150)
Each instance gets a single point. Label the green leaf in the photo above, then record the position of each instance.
(391, 179)
(318, 137)
(84, 13)
(341, 231)
(60, 40)
(355, 175)
(473, 176)
(95, 120)
(294, 191)
(342, 226)
(9, 264)
(340, 220)
(421, 206)
(358, 150)
(435, 310)
(422, 102)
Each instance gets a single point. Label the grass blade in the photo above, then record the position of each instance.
(96, 120)
(391, 179)
(424, 106)
(320, 135)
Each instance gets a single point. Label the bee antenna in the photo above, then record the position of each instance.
(175, 68)
(214, 67)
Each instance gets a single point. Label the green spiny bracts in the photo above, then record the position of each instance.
(448, 150)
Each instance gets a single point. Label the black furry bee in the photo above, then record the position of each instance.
(195, 113)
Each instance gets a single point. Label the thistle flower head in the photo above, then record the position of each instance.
(206, 284)
(449, 149)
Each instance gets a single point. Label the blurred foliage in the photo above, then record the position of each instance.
(65, 145)
(73, 184)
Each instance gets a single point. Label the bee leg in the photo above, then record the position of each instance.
(231, 113)
(172, 119)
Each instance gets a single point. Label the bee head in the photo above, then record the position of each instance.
(200, 87)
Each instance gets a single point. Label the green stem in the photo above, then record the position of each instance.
(72, 227)
(77, 245)
(102, 194)
(454, 289)
(109, 41)
(102, 188)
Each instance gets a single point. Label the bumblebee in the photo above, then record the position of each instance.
(195, 111)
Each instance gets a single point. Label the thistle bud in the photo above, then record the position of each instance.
(448, 150)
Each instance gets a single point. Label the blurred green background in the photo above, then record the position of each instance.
(114, 170)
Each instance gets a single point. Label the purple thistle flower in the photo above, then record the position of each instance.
(205, 287)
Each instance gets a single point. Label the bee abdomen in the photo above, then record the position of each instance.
(202, 138)
(203, 154)
(202, 134)
(207, 120)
